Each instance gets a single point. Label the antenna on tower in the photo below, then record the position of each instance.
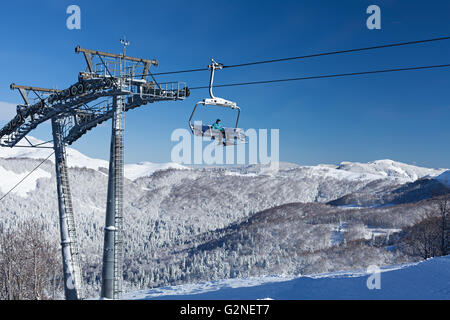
(125, 43)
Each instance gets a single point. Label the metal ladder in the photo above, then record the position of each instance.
(118, 219)
(71, 226)
(69, 239)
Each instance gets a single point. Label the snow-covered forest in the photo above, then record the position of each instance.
(185, 225)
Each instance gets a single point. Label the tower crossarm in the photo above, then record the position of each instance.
(51, 102)
(89, 56)
(92, 115)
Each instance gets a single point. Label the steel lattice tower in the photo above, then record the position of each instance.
(106, 90)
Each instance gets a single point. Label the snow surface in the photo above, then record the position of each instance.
(429, 279)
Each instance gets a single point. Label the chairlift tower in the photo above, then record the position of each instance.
(113, 246)
(111, 85)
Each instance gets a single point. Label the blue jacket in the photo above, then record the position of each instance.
(217, 126)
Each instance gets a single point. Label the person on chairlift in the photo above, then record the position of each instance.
(218, 126)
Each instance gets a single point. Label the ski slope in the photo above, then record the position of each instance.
(429, 279)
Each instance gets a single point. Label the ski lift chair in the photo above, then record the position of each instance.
(231, 134)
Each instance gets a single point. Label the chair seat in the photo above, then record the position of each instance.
(208, 131)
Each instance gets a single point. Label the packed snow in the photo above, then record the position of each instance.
(429, 279)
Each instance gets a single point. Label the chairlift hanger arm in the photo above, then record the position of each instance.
(192, 114)
(213, 66)
(215, 101)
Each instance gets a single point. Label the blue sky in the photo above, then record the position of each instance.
(400, 116)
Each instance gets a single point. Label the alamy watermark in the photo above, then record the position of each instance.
(73, 21)
(200, 150)
(374, 280)
(374, 20)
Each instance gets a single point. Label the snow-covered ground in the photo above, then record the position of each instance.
(429, 279)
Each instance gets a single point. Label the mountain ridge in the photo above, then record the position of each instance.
(384, 168)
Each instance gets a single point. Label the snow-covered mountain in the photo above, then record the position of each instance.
(381, 172)
(76, 159)
(374, 170)
(145, 169)
(390, 169)
(185, 224)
